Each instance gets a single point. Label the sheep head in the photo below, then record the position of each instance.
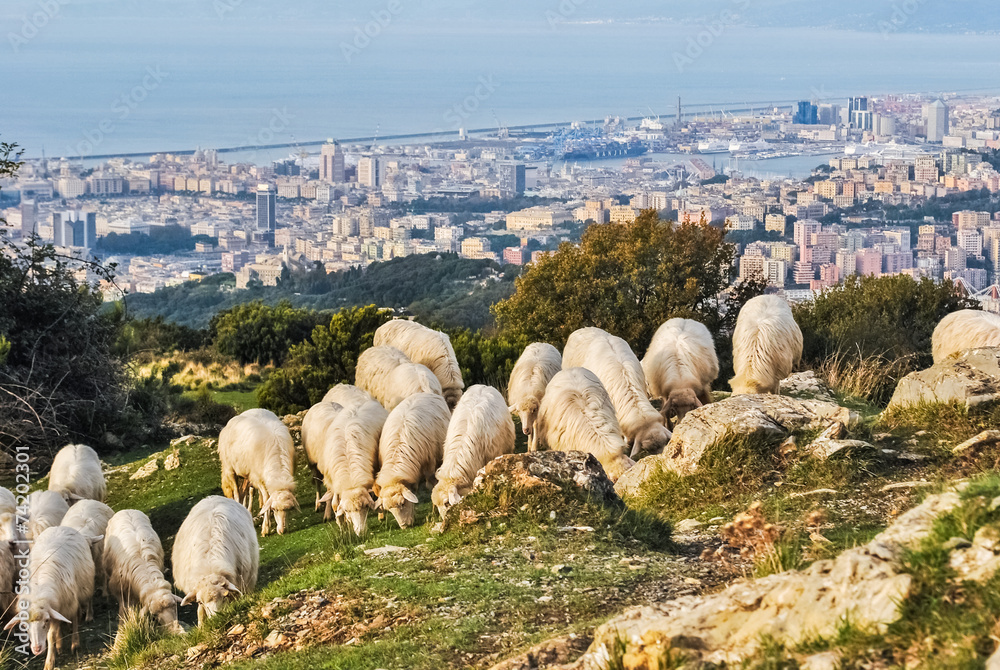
(212, 594)
(452, 396)
(40, 620)
(354, 506)
(163, 608)
(445, 495)
(650, 439)
(679, 403)
(527, 411)
(400, 501)
(279, 504)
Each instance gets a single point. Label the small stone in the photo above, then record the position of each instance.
(384, 551)
(238, 629)
(905, 485)
(956, 543)
(561, 569)
(688, 526)
(984, 439)
(828, 660)
(147, 470)
(196, 651)
(172, 462)
(544, 599)
(717, 519)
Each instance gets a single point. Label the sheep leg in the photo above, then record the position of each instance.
(532, 441)
(89, 614)
(317, 482)
(201, 614)
(229, 486)
(53, 640)
(265, 527)
(75, 640)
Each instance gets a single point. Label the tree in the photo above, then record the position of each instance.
(627, 279)
(326, 359)
(256, 333)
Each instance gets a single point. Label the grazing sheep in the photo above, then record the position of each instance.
(8, 516)
(314, 426)
(480, 430)
(347, 396)
(45, 509)
(215, 554)
(613, 362)
(409, 379)
(60, 584)
(351, 455)
(537, 365)
(76, 474)
(577, 415)
(133, 563)
(680, 366)
(410, 450)
(375, 364)
(91, 517)
(256, 448)
(427, 347)
(767, 345)
(964, 330)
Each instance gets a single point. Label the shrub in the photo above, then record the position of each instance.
(257, 333)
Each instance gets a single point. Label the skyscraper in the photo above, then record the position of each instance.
(861, 117)
(807, 114)
(369, 172)
(936, 115)
(331, 165)
(266, 214)
(74, 229)
(512, 178)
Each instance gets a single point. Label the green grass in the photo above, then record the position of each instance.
(242, 400)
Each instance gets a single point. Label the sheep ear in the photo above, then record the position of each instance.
(189, 598)
(298, 508)
(72, 498)
(59, 617)
(378, 504)
(411, 496)
(177, 598)
(95, 540)
(232, 587)
(340, 513)
(327, 498)
(13, 622)
(512, 409)
(454, 498)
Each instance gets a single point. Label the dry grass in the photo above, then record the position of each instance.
(869, 378)
(197, 369)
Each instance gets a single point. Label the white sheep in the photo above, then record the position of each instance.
(314, 427)
(611, 359)
(537, 365)
(8, 516)
(350, 462)
(91, 517)
(7, 571)
(215, 554)
(347, 396)
(427, 347)
(767, 345)
(45, 509)
(577, 415)
(481, 429)
(256, 448)
(133, 563)
(76, 474)
(375, 364)
(410, 450)
(60, 583)
(680, 367)
(964, 330)
(409, 379)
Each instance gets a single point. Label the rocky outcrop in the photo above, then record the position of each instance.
(806, 385)
(865, 585)
(535, 476)
(970, 378)
(751, 415)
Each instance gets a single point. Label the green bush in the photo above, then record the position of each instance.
(257, 333)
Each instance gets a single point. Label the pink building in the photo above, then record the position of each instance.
(869, 262)
(515, 255)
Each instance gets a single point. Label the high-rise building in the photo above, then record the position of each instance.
(512, 178)
(807, 114)
(925, 170)
(861, 117)
(331, 165)
(266, 214)
(74, 229)
(370, 172)
(936, 116)
(829, 115)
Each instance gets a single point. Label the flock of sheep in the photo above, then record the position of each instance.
(371, 446)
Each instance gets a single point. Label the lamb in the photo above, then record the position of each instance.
(45, 509)
(133, 563)
(8, 516)
(390, 377)
(215, 555)
(350, 462)
(410, 450)
(534, 369)
(964, 330)
(427, 347)
(347, 396)
(314, 427)
(60, 583)
(577, 415)
(480, 430)
(611, 359)
(76, 474)
(680, 366)
(767, 345)
(257, 448)
(91, 517)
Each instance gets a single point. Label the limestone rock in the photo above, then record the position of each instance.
(172, 462)
(979, 562)
(547, 654)
(824, 448)
(987, 438)
(828, 660)
(147, 470)
(752, 415)
(806, 385)
(971, 378)
(864, 584)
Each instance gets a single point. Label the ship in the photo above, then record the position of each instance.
(713, 147)
(590, 151)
